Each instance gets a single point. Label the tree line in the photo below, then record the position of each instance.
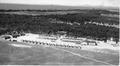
(36, 24)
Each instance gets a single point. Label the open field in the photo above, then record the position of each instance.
(44, 55)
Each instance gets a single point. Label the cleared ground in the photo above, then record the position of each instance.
(53, 55)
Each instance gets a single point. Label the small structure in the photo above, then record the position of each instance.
(61, 33)
(110, 41)
(89, 43)
(13, 39)
(92, 43)
(15, 35)
(84, 43)
(6, 37)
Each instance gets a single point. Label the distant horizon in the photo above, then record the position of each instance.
(61, 5)
(93, 3)
(49, 6)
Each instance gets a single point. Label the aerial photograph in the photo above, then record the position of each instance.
(59, 32)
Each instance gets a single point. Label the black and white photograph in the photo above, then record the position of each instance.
(59, 32)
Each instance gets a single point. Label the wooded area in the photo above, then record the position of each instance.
(42, 23)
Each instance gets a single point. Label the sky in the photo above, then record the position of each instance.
(113, 3)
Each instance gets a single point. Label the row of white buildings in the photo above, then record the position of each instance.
(59, 41)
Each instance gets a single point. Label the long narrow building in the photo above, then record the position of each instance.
(45, 40)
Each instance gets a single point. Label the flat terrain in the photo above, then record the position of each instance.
(53, 55)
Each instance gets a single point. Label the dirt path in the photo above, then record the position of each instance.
(76, 54)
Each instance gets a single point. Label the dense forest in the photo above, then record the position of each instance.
(42, 23)
(85, 10)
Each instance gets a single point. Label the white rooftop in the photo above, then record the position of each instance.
(36, 37)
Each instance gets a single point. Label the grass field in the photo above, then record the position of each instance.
(10, 55)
